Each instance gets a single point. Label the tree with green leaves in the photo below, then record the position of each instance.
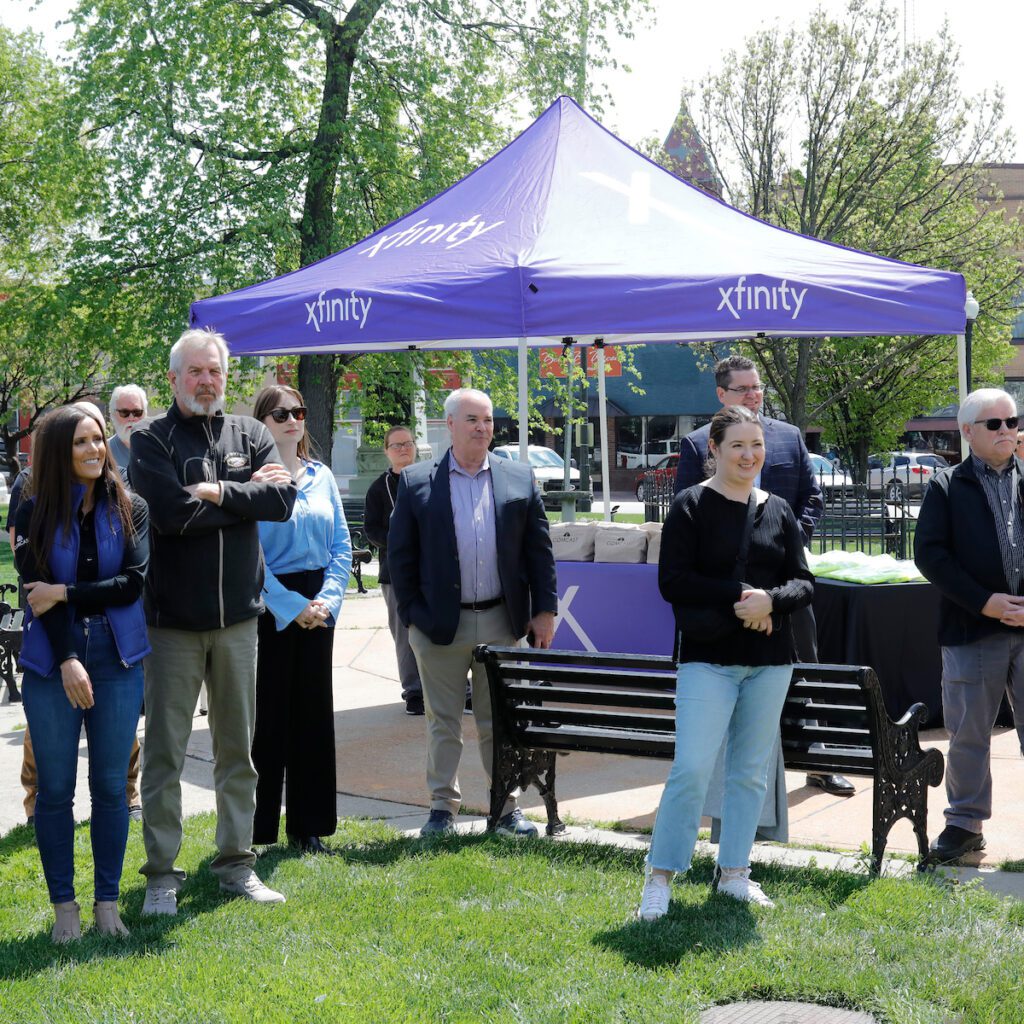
(891, 160)
(253, 137)
(52, 349)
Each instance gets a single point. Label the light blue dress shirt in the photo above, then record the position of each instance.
(315, 537)
(473, 512)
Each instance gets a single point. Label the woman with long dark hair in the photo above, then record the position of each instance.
(733, 567)
(308, 560)
(82, 548)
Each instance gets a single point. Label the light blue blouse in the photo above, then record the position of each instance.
(315, 537)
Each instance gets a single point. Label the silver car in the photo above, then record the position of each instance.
(903, 474)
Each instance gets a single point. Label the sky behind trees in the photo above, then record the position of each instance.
(685, 42)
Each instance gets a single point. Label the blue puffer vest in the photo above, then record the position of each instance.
(127, 623)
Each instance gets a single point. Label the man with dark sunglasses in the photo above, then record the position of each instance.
(128, 408)
(970, 543)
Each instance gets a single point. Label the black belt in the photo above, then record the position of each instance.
(481, 606)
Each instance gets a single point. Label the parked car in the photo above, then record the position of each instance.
(547, 465)
(832, 480)
(665, 470)
(649, 455)
(903, 474)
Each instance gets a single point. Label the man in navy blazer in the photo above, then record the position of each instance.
(787, 468)
(787, 472)
(470, 559)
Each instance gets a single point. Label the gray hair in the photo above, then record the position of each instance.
(196, 338)
(127, 389)
(455, 399)
(978, 400)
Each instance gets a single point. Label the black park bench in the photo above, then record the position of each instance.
(355, 516)
(11, 620)
(547, 703)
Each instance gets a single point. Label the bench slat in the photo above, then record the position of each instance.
(588, 695)
(599, 719)
(796, 712)
(592, 677)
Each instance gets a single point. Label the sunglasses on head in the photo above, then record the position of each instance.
(281, 415)
(135, 414)
(994, 422)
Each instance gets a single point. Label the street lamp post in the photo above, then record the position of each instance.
(971, 310)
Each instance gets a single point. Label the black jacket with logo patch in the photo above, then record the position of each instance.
(206, 566)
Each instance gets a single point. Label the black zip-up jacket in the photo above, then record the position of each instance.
(380, 503)
(206, 566)
(956, 547)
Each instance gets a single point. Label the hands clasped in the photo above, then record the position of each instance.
(1007, 608)
(754, 610)
(314, 615)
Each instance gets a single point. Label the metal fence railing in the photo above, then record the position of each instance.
(855, 518)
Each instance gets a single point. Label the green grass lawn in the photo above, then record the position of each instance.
(477, 928)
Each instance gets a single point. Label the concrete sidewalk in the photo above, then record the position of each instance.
(381, 759)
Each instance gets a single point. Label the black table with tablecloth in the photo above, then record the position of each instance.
(893, 627)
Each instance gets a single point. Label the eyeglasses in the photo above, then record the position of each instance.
(755, 389)
(298, 413)
(994, 422)
(402, 444)
(135, 414)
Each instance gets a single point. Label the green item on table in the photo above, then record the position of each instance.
(857, 567)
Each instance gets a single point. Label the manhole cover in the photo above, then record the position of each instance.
(783, 1013)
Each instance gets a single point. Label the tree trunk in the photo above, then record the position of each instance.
(318, 382)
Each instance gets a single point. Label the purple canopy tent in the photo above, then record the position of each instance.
(568, 232)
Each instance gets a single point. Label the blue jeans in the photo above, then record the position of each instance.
(110, 726)
(712, 702)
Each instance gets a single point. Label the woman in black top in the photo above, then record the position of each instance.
(733, 685)
(82, 549)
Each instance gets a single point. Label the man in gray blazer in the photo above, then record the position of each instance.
(471, 563)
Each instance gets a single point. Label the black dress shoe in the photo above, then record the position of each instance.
(312, 844)
(954, 842)
(834, 784)
(414, 705)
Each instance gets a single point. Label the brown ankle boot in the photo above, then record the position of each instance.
(67, 925)
(107, 919)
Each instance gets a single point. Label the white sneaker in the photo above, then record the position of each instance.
(252, 888)
(160, 900)
(737, 883)
(655, 897)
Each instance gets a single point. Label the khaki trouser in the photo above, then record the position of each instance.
(29, 780)
(180, 661)
(443, 671)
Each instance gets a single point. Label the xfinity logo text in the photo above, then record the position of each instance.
(450, 235)
(323, 310)
(743, 298)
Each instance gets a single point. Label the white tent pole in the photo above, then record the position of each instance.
(602, 416)
(419, 405)
(524, 411)
(962, 385)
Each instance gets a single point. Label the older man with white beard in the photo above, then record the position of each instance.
(209, 479)
(128, 408)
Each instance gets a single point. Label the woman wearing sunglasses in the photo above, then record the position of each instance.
(308, 559)
(82, 549)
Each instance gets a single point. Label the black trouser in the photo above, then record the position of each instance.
(294, 741)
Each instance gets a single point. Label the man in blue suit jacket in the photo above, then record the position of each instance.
(788, 473)
(471, 563)
(787, 468)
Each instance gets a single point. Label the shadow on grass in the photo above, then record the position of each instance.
(21, 958)
(19, 838)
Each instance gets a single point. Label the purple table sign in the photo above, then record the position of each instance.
(611, 607)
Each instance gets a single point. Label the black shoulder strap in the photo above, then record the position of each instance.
(748, 532)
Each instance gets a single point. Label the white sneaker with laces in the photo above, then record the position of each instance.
(160, 900)
(655, 898)
(737, 883)
(250, 887)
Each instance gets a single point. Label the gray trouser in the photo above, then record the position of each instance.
(443, 670)
(974, 678)
(408, 672)
(180, 661)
